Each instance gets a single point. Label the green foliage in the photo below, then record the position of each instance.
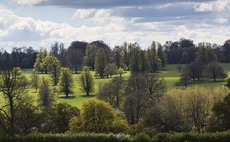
(100, 63)
(227, 83)
(35, 80)
(110, 70)
(221, 111)
(75, 58)
(65, 82)
(142, 137)
(154, 85)
(214, 70)
(120, 71)
(118, 55)
(56, 119)
(99, 117)
(113, 92)
(205, 53)
(184, 110)
(193, 137)
(54, 68)
(81, 137)
(154, 60)
(87, 82)
(162, 56)
(45, 94)
(89, 137)
(135, 105)
(39, 65)
(28, 118)
(133, 61)
(12, 87)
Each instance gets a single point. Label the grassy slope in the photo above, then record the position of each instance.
(79, 97)
(170, 75)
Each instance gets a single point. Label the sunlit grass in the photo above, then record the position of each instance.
(169, 73)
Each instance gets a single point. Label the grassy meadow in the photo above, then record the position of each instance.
(170, 75)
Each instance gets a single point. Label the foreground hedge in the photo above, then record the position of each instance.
(193, 137)
(85, 137)
(67, 138)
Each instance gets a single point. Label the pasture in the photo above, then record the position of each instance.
(170, 74)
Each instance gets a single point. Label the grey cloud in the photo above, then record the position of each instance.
(109, 3)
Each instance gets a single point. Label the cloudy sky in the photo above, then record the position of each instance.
(39, 23)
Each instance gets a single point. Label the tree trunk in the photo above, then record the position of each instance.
(12, 126)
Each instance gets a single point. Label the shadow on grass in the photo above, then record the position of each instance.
(208, 81)
(64, 97)
(85, 96)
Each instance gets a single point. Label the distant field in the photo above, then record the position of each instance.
(170, 75)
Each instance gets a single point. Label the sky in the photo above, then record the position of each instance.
(39, 23)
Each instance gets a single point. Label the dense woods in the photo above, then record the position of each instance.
(139, 105)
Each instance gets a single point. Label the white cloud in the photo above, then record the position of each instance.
(27, 2)
(106, 26)
(221, 21)
(84, 13)
(217, 5)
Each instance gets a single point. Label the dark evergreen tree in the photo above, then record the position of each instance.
(226, 50)
(162, 55)
(100, 63)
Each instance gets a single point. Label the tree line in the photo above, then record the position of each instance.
(138, 104)
(81, 53)
(129, 56)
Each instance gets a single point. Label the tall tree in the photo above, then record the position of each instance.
(214, 70)
(35, 80)
(45, 94)
(195, 70)
(66, 82)
(100, 62)
(154, 60)
(54, 68)
(12, 89)
(39, 66)
(135, 106)
(118, 56)
(143, 61)
(113, 92)
(226, 50)
(205, 53)
(92, 50)
(134, 56)
(75, 58)
(162, 55)
(87, 82)
(155, 86)
(57, 50)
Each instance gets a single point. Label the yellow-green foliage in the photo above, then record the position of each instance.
(99, 117)
(193, 105)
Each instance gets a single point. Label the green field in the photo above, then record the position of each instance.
(170, 75)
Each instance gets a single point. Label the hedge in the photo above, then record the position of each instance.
(193, 137)
(91, 137)
(85, 137)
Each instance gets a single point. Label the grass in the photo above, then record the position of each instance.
(170, 75)
(79, 97)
